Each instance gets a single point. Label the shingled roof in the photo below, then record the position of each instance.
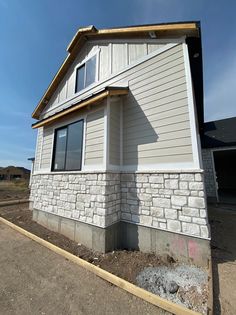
(219, 133)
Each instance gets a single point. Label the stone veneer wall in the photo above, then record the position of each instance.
(90, 198)
(208, 173)
(169, 201)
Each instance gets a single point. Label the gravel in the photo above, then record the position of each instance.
(181, 284)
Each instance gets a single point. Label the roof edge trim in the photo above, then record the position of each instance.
(108, 91)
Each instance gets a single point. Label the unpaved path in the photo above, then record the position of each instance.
(35, 280)
(223, 228)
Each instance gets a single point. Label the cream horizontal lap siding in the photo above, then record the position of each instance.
(38, 150)
(48, 133)
(94, 138)
(112, 57)
(114, 132)
(156, 113)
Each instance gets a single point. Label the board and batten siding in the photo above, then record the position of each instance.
(156, 116)
(94, 138)
(114, 132)
(112, 57)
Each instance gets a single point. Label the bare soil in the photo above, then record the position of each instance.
(223, 225)
(125, 264)
(35, 280)
(14, 190)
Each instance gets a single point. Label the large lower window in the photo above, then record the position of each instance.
(68, 144)
(86, 74)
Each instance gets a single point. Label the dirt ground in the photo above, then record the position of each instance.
(125, 264)
(13, 190)
(35, 280)
(223, 229)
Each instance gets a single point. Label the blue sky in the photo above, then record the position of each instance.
(34, 36)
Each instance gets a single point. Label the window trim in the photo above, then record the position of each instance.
(54, 147)
(83, 63)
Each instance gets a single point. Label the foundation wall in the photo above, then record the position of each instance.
(123, 235)
(209, 175)
(182, 248)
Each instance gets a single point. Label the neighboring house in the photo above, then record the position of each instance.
(13, 172)
(219, 159)
(118, 155)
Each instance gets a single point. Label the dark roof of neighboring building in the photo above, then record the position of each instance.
(23, 169)
(219, 133)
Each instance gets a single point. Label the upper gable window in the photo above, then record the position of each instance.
(86, 74)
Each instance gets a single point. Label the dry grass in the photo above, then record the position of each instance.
(16, 189)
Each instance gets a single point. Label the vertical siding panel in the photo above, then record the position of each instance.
(104, 67)
(136, 51)
(119, 57)
(54, 100)
(63, 91)
(71, 83)
(153, 47)
(114, 57)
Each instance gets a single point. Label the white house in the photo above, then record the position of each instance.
(118, 154)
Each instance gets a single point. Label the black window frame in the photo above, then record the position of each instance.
(85, 68)
(55, 143)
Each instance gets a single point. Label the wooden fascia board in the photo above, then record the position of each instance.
(164, 27)
(81, 32)
(94, 99)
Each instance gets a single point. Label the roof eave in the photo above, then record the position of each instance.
(92, 99)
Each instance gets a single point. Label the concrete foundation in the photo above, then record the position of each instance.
(93, 237)
(182, 248)
(124, 235)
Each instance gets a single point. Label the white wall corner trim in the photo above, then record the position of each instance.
(106, 134)
(41, 148)
(191, 106)
(84, 143)
(121, 131)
